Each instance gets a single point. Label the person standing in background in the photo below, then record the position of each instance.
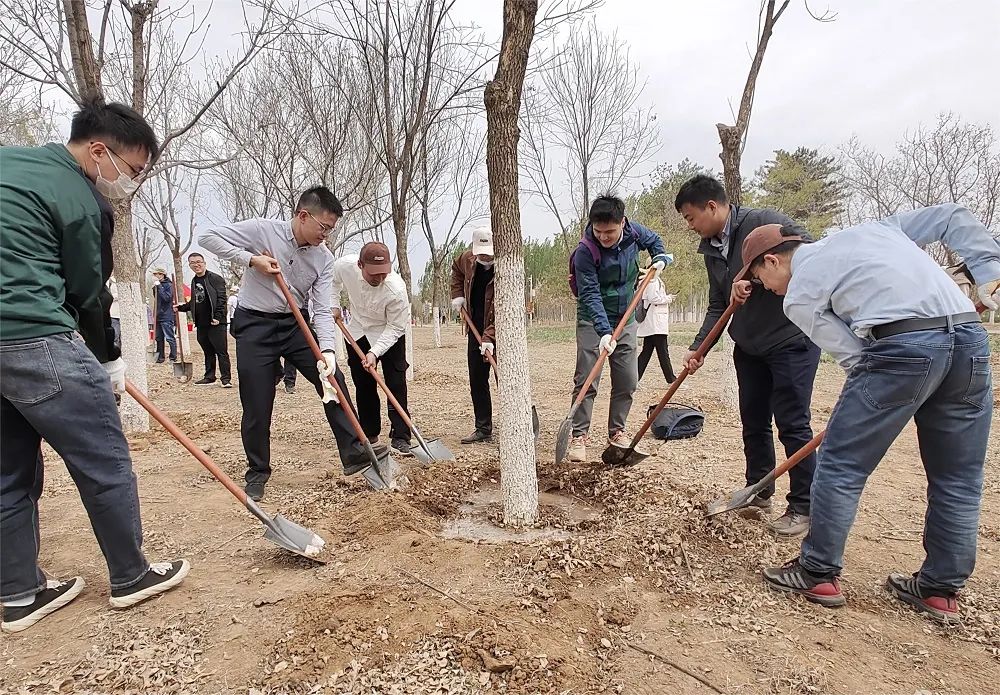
(655, 328)
(209, 303)
(164, 291)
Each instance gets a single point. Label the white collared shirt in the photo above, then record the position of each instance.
(381, 314)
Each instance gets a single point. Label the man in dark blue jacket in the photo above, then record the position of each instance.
(775, 362)
(164, 291)
(606, 270)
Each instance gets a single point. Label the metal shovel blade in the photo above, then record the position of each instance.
(183, 371)
(562, 439)
(287, 534)
(429, 451)
(617, 455)
(737, 499)
(534, 423)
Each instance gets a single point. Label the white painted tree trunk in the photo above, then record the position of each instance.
(437, 326)
(730, 391)
(135, 334)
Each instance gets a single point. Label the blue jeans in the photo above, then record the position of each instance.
(942, 380)
(53, 388)
(165, 331)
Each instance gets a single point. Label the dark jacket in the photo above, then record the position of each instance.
(606, 288)
(760, 325)
(216, 291)
(55, 250)
(165, 301)
(463, 270)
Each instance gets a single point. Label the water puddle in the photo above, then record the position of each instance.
(475, 518)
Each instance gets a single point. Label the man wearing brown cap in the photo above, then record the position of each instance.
(380, 314)
(913, 347)
(472, 288)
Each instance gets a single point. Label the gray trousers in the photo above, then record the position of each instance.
(624, 376)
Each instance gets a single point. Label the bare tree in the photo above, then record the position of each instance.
(114, 60)
(149, 247)
(518, 474)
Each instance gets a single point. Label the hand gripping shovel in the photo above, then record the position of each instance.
(742, 498)
(428, 451)
(183, 371)
(382, 473)
(566, 428)
(278, 529)
(493, 362)
(617, 455)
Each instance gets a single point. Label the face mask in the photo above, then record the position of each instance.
(122, 187)
(485, 264)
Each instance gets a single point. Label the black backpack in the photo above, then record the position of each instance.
(677, 421)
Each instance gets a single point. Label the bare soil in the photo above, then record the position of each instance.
(624, 566)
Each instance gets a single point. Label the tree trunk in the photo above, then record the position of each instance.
(732, 145)
(435, 278)
(182, 316)
(518, 474)
(132, 309)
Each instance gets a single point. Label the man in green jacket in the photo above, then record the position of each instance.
(61, 365)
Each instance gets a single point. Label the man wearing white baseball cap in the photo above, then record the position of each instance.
(472, 288)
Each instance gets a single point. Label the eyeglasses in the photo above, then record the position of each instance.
(135, 172)
(327, 228)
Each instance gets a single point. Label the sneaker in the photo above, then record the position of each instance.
(941, 607)
(790, 578)
(578, 449)
(759, 502)
(54, 596)
(620, 438)
(161, 577)
(204, 382)
(401, 447)
(159, 360)
(255, 491)
(790, 524)
(289, 388)
(479, 435)
(227, 384)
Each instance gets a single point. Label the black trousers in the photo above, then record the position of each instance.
(214, 343)
(261, 340)
(779, 384)
(284, 373)
(479, 385)
(656, 342)
(394, 366)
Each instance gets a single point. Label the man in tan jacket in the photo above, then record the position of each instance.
(472, 288)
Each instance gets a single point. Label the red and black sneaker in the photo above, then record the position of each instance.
(940, 606)
(791, 578)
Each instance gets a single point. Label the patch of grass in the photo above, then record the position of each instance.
(566, 333)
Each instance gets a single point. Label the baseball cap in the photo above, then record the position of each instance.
(375, 257)
(763, 239)
(482, 241)
(161, 271)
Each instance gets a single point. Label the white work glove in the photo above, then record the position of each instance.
(457, 303)
(608, 343)
(989, 294)
(486, 347)
(662, 260)
(327, 370)
(116, 372)
(156, 283)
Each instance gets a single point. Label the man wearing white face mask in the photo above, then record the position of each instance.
(472, 288)
(61, 365)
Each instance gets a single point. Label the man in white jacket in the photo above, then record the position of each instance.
(380, 313)
(654, 329)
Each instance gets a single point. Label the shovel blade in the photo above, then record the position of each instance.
(294, 538)
(183, 371)
(562, 439)
(384, 473)
(737, 499)
(436, 451)
(534, 423)
(617, 455)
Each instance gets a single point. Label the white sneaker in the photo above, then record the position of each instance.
(620, 438)
(578, 449)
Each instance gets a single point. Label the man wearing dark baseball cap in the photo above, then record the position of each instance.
(913, 347)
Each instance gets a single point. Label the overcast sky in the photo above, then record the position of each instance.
(881, 68)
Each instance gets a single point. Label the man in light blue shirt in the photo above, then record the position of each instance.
(913, 347)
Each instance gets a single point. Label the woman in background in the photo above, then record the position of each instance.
(654, 327)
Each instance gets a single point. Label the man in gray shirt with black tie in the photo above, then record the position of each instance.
(913, 347)
(265, 330)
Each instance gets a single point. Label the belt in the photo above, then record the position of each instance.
(267, 315)
(911, 325)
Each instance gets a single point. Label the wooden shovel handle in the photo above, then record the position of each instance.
(796, 458)
(650, 274)
(177, 321)
(186, 442)
(318, 354)
(375, 375)
(479, 339)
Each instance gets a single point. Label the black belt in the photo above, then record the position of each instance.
(911, 325)
(266, 315)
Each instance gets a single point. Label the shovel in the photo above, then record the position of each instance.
(279, 530)
(429, 451)
(151, 350)
(183, 371)
(566, 428)
(382, 472)
(742, 498)
(493, 363)
(617, 455)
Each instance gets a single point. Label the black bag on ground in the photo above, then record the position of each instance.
(676, 421)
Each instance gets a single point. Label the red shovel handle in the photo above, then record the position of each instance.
(796, 458)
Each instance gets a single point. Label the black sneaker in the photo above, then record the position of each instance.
(161, 577)
(289, 388)
(791, 578)
(227, 385)
(204, 382)
(478, 436)
(255, 491)
(54, 596)
(159, 360)
(401, 447)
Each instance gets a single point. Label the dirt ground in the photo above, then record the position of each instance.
(628, 566)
